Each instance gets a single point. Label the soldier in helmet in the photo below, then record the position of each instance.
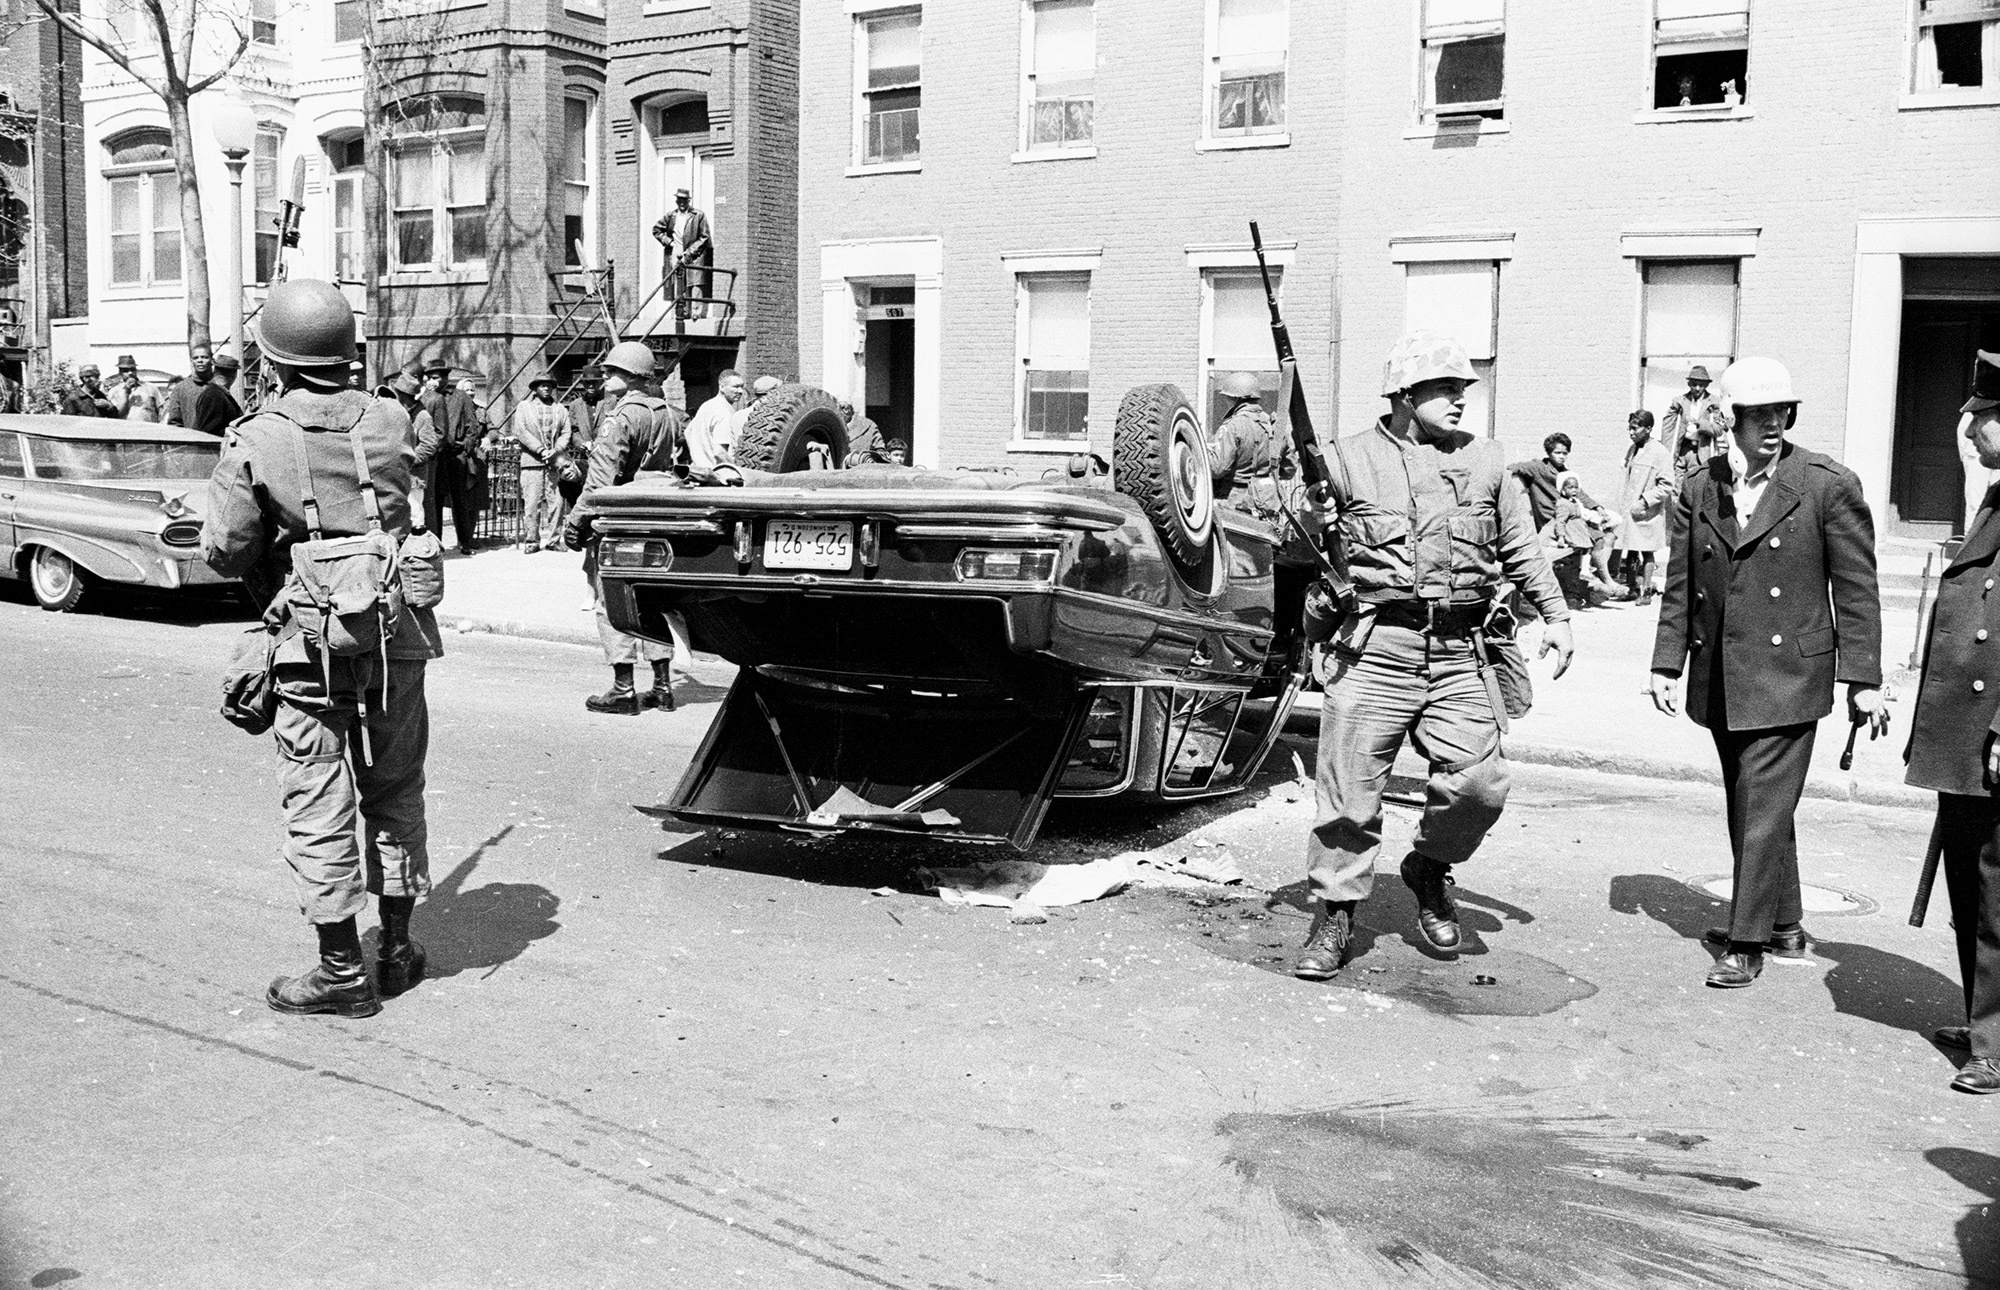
(1247, 447)
(353, 797)
(1771, 598)
(639, 431)
(1433, 527)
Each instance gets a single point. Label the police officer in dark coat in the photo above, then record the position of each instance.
(1759, 538)
(1955, 748)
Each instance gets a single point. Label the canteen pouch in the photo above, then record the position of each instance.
(421, 560)
(249, 688)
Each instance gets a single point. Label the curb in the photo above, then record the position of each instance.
(1305, 721)
(464, 623)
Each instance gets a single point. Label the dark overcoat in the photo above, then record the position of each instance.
(1958, 697)
(1767, 616)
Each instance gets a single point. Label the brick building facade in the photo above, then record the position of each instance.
(1596, 197)
(43, 253)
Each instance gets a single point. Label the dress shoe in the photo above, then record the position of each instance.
(1437, 913)
(621, 702)
(1326, 944)
(1980, 1075)
(337, 984)
(1793, 947)
(398, 967)
(1736, 969)
(1959, 1037)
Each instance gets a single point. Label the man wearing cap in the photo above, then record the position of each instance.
(1771, 598)
(1985, 397)
(215, 406)
(638, 433)
(179, 407)
(135, 398)
(451, 478)
(690, 250)
(1433, 528)
(717, 424)
(352, 733)
(87, 397)
(1693, 426)
(541, 427)
(1955, 746)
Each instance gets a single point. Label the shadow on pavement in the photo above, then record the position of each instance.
(1979, 1229)
(485, 927)
(1668, 900)
(864, 862)
(194, 607)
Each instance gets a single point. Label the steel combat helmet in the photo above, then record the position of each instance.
(307, 323)
(632, 358)
(1239, 387)
(1424, 355)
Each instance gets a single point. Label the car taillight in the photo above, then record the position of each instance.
(174, 507)
(181, 533)
(1005, 564)
(635, 553)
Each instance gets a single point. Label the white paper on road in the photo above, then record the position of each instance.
(1005, 883)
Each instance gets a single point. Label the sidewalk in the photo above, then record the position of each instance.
(1598, 717)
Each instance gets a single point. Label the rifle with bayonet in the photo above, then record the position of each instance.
(1331, 599)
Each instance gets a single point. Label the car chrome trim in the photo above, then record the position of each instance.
(1131, 752)
(979, 533)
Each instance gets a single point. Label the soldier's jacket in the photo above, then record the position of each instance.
(1958, 699)
(638, 433)
(1245, 448)
(1440, 521)
(255, 512)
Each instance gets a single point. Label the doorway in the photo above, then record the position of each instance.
(889, 392)
(1951, 309)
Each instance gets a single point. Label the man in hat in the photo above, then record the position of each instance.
(1771, 599)
(1985, 398)
(717, 424)
(136, 398)
(87, 397)
(584, 412)
(1955, 746)
(451, 481)
(179, 408)
(541, 427)
(406, 388)
(1692, 430)
(215, 405)
(690, 250)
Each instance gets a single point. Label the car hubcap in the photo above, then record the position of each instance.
(54, 574)
(1194, 493)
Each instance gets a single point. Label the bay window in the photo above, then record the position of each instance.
(437, 187)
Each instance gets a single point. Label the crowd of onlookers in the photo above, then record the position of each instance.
(1618, 552)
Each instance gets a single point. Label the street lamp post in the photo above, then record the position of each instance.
(235, 125)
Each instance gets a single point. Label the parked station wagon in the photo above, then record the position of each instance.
(938, 653)
(86, 499)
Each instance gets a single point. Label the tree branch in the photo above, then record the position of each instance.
(74, 25)
(242, 44)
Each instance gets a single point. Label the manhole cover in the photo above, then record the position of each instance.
(1817, 898)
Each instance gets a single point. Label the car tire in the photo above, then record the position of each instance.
(1160, 460)
(785, 425)
(58, 584)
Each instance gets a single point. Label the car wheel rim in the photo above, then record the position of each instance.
(54, 574)
(1187, 468)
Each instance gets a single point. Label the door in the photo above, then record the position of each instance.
(12, 471)
(678, 164)
(1927, 480)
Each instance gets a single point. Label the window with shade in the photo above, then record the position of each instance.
(264, 22)
(1061, 76)
(1236, 336)
(579, 167)
(1464, 59)
(350, 21)
(144, 200)
(437, 185)
(1687, 317)
(1956, 47)
(346, 159)
(264, 177)
(1246, 66)
(1701, 54)
(892, 91)
(1052, 330)
(1461, 299)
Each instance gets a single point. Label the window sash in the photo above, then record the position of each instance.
(127, 266)
(1065, 38)
(350, 21)
(1057, 324)
(1055, 405)
(264, 22)
(1252, 27)
(347, 228)
(1239, 331)
(892, 134)
(1689, 309)
(1932, 13)
(1436, 57)
(1457, 297)
(895, 50)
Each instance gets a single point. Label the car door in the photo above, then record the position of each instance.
(13, 470)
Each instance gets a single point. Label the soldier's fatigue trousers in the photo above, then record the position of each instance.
(1425, 687)
(342, 812)
(618, 647)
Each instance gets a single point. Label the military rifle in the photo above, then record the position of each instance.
(1333, 600)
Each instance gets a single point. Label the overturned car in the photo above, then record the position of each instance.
(940, 653)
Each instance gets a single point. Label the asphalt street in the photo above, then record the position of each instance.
(656, 1057)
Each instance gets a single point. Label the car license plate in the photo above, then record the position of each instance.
(792, 544)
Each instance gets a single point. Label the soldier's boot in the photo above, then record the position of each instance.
(621, 699)
(337, 984)
(399, 961)
(1437, 913)
(1326, 945)
(661, 696)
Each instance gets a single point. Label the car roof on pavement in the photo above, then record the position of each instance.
(101, 428)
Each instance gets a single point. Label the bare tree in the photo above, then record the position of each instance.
(173, 36)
